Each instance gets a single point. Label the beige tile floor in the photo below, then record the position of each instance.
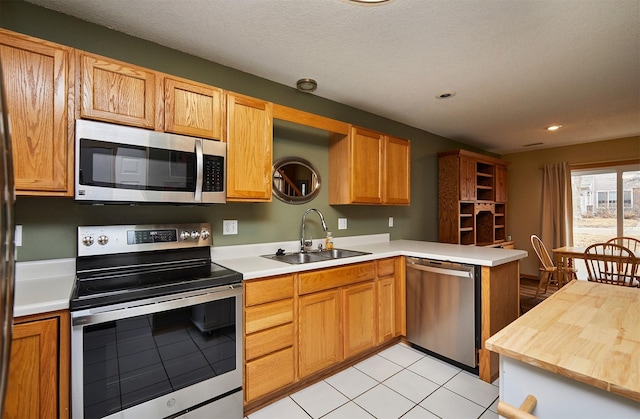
(399, 382)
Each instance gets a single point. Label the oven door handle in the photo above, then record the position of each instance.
(153, 305)
(199, 171)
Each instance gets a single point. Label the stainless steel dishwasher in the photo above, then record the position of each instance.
(443, 305)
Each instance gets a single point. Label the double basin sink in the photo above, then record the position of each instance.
(315, 256)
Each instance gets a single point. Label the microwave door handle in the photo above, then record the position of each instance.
(199, 171)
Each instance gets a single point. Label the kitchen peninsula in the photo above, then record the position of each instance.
(577, 353)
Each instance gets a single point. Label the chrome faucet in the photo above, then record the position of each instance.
(306, 243)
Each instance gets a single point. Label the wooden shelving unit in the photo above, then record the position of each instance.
(472, 199)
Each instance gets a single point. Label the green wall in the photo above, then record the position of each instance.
(49, 224)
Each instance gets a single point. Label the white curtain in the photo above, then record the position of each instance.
(557, 209)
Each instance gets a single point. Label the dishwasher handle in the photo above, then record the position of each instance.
(467, 272)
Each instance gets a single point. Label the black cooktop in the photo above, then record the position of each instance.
(112, 279)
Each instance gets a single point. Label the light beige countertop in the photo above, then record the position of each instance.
(248, 261)
(46, 285)
(587, 331)
(43, 286)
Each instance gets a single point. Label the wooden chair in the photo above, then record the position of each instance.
(628, 242)
(610, 263)
(549, 270)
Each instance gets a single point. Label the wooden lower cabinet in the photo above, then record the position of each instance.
(359, 318)
(38, 385)
(319, 334)
(386, 308)
(269, 335)
(297, 327)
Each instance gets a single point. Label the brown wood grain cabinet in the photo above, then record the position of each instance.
(118, 92)
(38, 385)
(319, 331)
(360, 317)
(192, 108)
(472, 198)
(269, 335)
(39, 86)
(339, 314)
(249, 149)
(368, 167)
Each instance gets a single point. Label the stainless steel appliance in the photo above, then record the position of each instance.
(156, 326)
(7, 249)
(443, 306)
(116, 163)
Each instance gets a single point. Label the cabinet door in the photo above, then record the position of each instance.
(319, 336)
(359, 318)
(37, 86)
(32, 390)
(366, 166)
(386, 309)
(193, 109)
(467, 178)
(117, 92)
(249, 149)
(501, 183)
(397, 172)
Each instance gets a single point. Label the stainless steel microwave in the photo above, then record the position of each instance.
(122, 164)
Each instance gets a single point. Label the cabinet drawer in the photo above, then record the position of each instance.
(386, 267)
(267, 341)
(268, 315)
(269, 373)
(335, 277)
(266, 290)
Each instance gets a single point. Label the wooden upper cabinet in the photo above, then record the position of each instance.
(368, 167)
(39, 98)
(397, 173)
(118, 92)
(249, 149)
(501, 183)
(192, 108)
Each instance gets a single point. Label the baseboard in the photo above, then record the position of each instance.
(531, 277)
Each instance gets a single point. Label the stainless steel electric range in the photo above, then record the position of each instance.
(156, 326)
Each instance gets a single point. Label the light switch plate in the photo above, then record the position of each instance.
(390, 221)
(229, 227)
(18, 236)
(342, 223)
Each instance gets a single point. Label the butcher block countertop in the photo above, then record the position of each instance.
(587, 331)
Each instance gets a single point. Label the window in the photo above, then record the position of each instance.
(606, 203)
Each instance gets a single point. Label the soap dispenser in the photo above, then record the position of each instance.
(329, 241)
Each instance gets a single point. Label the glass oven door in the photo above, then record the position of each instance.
(159, 357)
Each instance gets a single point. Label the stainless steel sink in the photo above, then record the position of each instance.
(315, 256)
(342, 253)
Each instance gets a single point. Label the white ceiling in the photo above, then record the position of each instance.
(517, 65)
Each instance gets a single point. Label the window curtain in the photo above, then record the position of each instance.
(557, 208)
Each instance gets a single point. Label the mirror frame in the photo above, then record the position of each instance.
(296, 200)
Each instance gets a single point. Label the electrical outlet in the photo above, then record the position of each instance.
(390, 221)
(229, 227)
(342, 223)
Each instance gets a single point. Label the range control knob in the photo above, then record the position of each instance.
(184, 235)
(205, 234)
(87, 240)
(102, 240)
(195, 235)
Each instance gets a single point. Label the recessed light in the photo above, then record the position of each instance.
(446, 94)
(307, 85)
(370, 1)
(554, 127)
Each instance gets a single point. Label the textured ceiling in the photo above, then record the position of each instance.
(517, 65)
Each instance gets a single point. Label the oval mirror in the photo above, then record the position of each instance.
(295, 180)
